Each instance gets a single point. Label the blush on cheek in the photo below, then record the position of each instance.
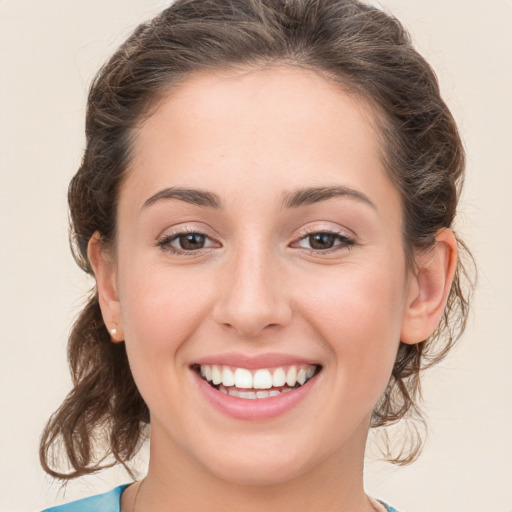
(359, 315)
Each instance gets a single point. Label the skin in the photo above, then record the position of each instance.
(259, 286)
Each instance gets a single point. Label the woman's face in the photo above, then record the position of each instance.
(259, 244)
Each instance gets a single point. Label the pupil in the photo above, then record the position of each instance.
(321, 241)
(192, 241)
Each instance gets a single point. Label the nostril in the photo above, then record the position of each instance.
(250, 330)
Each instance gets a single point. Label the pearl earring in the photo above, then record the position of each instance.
(113, 331)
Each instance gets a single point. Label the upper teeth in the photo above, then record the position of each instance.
(263, 378)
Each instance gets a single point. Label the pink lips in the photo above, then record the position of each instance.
(269, 360)
(256, 409)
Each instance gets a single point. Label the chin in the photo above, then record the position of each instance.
(261, 462)
(266, 473)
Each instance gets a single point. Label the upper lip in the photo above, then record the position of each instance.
(267, 360)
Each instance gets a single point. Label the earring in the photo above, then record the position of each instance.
(112, 331)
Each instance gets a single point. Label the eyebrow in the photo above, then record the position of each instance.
(188, 195)
(311, 195)
(302, 197)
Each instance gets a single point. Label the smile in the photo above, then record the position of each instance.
(256, 387)
(258, 383)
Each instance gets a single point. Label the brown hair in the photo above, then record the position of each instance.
(361, 48)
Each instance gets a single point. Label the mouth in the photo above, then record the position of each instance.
(256, 384)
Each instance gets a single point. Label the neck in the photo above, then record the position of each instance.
(176, 481)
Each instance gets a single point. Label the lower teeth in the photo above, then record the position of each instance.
(252, 395)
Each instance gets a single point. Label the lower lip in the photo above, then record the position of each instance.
(258, 408)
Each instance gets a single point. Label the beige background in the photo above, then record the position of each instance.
(49, 50)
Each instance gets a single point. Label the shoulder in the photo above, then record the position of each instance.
(106, 502)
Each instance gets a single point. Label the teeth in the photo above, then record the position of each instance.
(243, 378)
(251, 394)
(228, 379)
(291, 376)
(262, 380)
(216, 375)
(278, 378)
(241, 381)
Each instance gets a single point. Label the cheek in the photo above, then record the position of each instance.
(161, 311)
(359, 317)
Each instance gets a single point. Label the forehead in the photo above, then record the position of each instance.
(209, 103)
(279, 124)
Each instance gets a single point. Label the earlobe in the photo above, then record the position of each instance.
(429, 288)
(104, 268)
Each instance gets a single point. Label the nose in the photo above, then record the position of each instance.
(252, 296)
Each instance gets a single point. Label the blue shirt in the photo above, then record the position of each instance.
(111, 502)
(107, 502)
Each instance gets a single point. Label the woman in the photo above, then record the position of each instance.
(265, 201)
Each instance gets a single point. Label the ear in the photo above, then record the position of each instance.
(429, 288)
(104, 268)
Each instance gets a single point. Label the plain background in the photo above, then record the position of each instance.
(49, 51)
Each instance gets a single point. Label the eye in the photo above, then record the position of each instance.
(325, 241)
(190, 241)
(186, 242)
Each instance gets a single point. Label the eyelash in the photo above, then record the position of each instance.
(344, 242)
